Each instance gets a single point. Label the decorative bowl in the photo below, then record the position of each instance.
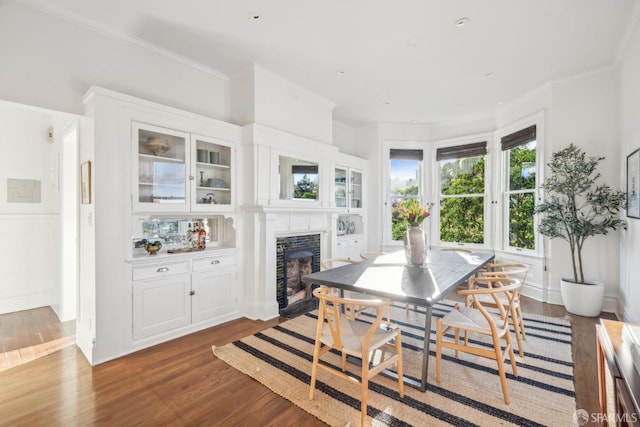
(153, 248)
(157, 146)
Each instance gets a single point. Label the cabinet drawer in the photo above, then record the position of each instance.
(209, 263)
(160, 270)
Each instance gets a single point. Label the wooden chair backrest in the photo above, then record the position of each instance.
(330, 263)
(333, 308)
(494, 286)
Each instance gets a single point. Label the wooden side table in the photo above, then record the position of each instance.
(618, 380)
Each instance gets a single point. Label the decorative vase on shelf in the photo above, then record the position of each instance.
(415, 246)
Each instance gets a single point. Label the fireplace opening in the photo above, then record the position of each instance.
(297, 256)
(297, 264)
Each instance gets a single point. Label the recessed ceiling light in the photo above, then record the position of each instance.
(340, 73)
(462, 22)
(254, 16)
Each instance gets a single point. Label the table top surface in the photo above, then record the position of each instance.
(390, 276)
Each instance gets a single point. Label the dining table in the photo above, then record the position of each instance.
(390, 276)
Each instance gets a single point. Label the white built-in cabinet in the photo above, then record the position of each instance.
(348, 191)
(349, 236)
(350, 247)
(177, 171)
(170, 295)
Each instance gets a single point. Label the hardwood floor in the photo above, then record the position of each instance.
(30, 334)
(181, 383)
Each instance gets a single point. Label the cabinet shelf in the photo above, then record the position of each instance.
(213, 188)
(155, 184)
(213, 165)
(159, 158)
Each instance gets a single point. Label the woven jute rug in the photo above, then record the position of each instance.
(469, 392)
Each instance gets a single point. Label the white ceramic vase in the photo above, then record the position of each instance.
(415, 246)
(583, 299)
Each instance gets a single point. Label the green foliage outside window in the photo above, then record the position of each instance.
(462, 218)
(305, 189)
(398, 226)
(522, 177)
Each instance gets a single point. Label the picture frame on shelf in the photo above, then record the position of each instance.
(85, 182)
(633, 184)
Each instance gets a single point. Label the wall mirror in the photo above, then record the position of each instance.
(298, 179)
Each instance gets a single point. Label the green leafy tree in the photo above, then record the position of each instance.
(305, 189)
(521, 206)
(462, 218)
(576, 207)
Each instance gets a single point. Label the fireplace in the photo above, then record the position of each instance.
(296, 257)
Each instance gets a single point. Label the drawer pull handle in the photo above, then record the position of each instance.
(215, 261)
(163, 269)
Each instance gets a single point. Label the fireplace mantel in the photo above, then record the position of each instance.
(260, 297)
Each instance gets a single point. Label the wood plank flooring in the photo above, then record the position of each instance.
(30, 334)
(180, 383)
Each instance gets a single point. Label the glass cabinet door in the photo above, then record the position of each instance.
(212, 172)
(161, 169)
(355, 191)
(340, 188)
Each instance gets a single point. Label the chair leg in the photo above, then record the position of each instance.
(314, 369)
(503, 377)
(365, 389)
(515, 320)
(438, 348)
(521, 320)
(399, 365)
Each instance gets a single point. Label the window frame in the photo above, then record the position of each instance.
(437, 183)
(387, 238)
(502, 217)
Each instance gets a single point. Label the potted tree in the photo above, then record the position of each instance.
(576, 207)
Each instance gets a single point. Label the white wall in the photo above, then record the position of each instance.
(51, 62)
(585, 112)
(629, 298)
(29, 232)
(281, 105)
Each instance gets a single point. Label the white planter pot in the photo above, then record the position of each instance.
(581, 298)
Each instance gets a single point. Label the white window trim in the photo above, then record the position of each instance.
(502, 231)
(436, 184)
(427, 156)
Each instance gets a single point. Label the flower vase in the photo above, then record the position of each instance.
(415, 246)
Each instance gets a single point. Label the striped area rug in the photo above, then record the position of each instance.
(469, 392)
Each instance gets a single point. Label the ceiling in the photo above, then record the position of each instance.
(404, 61)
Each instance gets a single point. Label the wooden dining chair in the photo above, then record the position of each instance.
(371, 254)
(330, 263)
(377, 346)
(518, 272)
(476, 319)
(456, 250)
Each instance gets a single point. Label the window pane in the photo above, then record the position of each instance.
(522, 167)
(462, 200)
(521, 232)
(462, 176)
(462, 219)
(403, 184)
